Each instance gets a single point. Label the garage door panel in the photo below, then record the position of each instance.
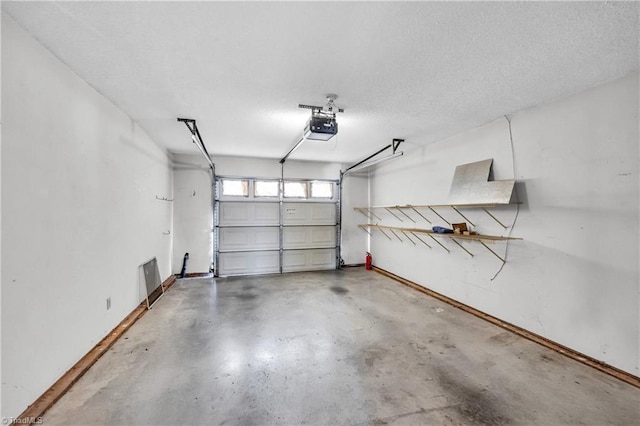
(308, 260)
(294, 260)
(294, 237)
(323, 259)
(294, 213)
(324, 236)
(249, 214)
(267, 262)
(266, 237)
(325, 213)
(233, 213)
(233, 238)
(267, 213)
(247, 263)
(309, 214)
(309, 237)
(249, 239)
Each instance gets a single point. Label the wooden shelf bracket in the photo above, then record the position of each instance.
(463, 216)
(494, 253)
(409, 238)
(494, 218)
(401, 211)
(421, 215)
(438, 214)
(441, 245)
(394, 233)
(385, 234)
(395, 215)
(423, 241)
(461, 246)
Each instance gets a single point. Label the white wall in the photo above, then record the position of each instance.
(79, 215)
(355, 193)
(271, 168)
(192, 213)
(574, 277)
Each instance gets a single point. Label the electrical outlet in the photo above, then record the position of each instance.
(108, 303)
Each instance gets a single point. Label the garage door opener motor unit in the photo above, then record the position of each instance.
(320, 128)
(322, 124)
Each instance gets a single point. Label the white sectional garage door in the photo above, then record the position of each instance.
(260, 234)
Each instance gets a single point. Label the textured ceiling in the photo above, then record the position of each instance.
(416, 70)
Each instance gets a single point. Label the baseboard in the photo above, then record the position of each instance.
(34, 412)
(568, 352)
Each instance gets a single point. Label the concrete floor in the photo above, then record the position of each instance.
(331, 348)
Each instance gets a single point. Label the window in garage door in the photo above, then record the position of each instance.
(269, 226)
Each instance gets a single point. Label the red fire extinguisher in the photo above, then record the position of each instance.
(367, 261)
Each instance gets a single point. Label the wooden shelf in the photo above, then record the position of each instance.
(408, 206)
(490, 238)
(368, 211)
(432, 234)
